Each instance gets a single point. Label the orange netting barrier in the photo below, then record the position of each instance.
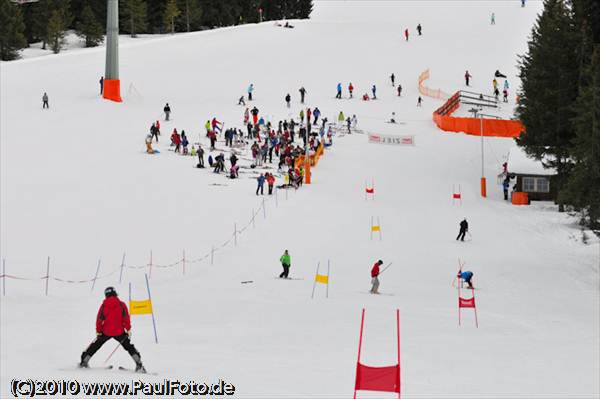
(491, 127)
(426, 91)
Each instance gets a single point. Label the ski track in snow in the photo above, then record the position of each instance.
(76, 186)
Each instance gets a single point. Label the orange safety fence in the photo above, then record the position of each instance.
(491, 127)
(426, 91)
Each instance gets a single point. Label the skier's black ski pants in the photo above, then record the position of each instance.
(102, 339)
(286, 271)
(461, 235)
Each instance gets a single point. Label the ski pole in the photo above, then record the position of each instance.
(385, 268)
(114, 350)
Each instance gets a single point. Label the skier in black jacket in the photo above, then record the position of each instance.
(464, 227)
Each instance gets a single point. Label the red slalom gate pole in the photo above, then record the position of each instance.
(362, 323)
(475, 308)
(398, 329)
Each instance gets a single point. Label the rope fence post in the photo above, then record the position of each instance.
(276, 202)
(235, 234)
(264, 209)
(122, 266)
(96, 275)
(183, 262)
(212, 255)
(150, 264)
(47, 274)
(253, 224)
(3, 277)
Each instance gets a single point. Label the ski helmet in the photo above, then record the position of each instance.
(380, 262)
(110, 291)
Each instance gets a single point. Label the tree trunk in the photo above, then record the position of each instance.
(187, 14)
(132, 23)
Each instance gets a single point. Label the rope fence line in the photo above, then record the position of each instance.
(4, 276)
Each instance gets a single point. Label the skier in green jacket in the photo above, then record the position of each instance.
(286, 262)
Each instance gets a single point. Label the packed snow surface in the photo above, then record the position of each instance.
(77, 186)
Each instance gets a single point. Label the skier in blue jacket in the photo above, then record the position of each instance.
(261, 182)
(339, 91)
(466, 277)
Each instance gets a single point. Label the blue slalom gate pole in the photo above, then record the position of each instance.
(150, 298)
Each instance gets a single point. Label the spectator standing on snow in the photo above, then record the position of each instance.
(375, 277)
(250, 90)
(466, 277)
(406, 34)
(493, 19)
(374, 91)
(419, 28)
(505, 95)
(339, 91)
(464, 228)
(260, 180)
(200, 157)
(101, 85)
(212, 136)
(506, 85)
(341, 117)
(392, 78)
(45, 101)
(350, 89)
(288, 98)
(302, 94)
(467, 77)
(254, 113)
(399, 90)
(419, 101)
(246, 116)
(286, 262)
(112, 321)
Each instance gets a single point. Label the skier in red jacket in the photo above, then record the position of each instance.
(112, 322)
(375, 277)
(406, 34)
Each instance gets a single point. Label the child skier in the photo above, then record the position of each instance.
(350, 89)
(112, 321)
(250, 90)
(375, 277)
(260, 180)
(286, 262)
(302, 94)
(167, 111)
(339, 91)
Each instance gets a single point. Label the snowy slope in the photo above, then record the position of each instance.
(76, 185)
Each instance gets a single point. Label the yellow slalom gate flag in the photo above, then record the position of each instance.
(321, 278)
(140, 307)
(376, 228)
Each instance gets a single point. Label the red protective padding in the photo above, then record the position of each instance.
(370, 190)
(381, 379)
(456, 196)
(466, 303)
(112, 90)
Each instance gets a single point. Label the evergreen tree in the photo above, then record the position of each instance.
(12, 28)
(89, 28)
(171, 12)
(549, 76)
(134, 16)
(583, 188)
(56, 32)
